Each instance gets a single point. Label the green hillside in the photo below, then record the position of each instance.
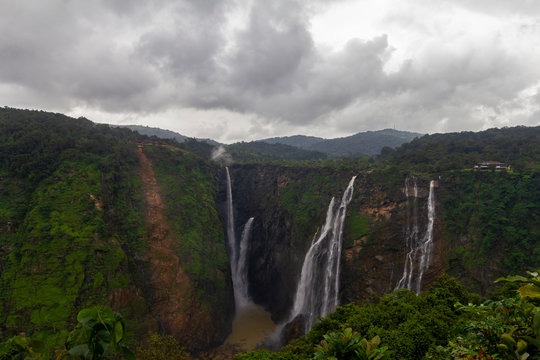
(517, 146)
(98, 215)
(74, 230)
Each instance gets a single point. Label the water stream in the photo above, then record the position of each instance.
(238, 252)
(317, 293)
(420, 249)
(251, 323)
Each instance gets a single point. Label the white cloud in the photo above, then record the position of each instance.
(242, 69)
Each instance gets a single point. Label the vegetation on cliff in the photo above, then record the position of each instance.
(189, 189)
(492, 221)
(68, 219)
(73, 231)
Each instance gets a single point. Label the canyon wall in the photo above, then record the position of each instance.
(289, 206)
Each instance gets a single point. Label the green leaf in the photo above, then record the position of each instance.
(513, 278)
(529, 291)
(118, 331)
(21, 341)
(536, 323)
(376, 341)
(79, 350)
(532, 341)
(86, 315)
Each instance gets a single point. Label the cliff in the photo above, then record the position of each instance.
(85, 220)
(484, 225)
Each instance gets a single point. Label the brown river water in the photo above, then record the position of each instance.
(250, 327)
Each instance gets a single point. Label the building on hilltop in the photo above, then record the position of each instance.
(492, 165)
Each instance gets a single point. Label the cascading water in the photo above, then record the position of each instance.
(241, 287)
(411, 233)
(426, 247)
(317, 293)
(420, 250)
(251, 323)
(238, 252)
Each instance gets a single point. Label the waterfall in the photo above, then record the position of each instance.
(241, 281)
(238, 252)
(420, 250)
(411, 233)
(426, 247)
(317, 293)
(230, 219)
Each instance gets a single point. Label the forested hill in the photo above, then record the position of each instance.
(96, 215)
(162, 133)
(517, 146)
(89, 218)
(361, 144)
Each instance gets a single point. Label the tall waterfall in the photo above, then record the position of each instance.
(426, 248)
(240, 279)
(238, 251)
(411, 233)
(420, 249)
(317, 293)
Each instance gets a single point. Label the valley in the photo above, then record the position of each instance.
(90, 218)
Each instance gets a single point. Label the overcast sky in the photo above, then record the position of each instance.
(242, 70)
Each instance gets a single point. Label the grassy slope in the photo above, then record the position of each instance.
(62, 257)
(72, 227)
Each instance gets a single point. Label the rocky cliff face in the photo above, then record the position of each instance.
(288, 205)
(374, 262)
(473, 212)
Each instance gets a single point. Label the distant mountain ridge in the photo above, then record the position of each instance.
(262, 151)
(363, 143)
(162, 133)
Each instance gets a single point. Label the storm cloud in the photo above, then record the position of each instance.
(240, 69)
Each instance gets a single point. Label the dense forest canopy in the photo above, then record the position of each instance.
(517, 146)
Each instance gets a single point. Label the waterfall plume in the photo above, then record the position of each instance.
(317, 293)
(238, 251)
(420, 249)
(240, 277)
(426, 247)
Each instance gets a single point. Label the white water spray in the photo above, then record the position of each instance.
(420, 250)
(238, 252)
(426, 247)
(317, 293)
(241, 280)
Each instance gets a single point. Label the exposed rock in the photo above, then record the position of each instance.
(293, 329)
(174, 303)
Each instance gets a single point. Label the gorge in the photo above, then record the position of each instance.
(93, 215)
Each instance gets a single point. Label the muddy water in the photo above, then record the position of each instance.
(251, 325)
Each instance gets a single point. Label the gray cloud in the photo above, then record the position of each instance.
(155, 56)
(272, 50)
